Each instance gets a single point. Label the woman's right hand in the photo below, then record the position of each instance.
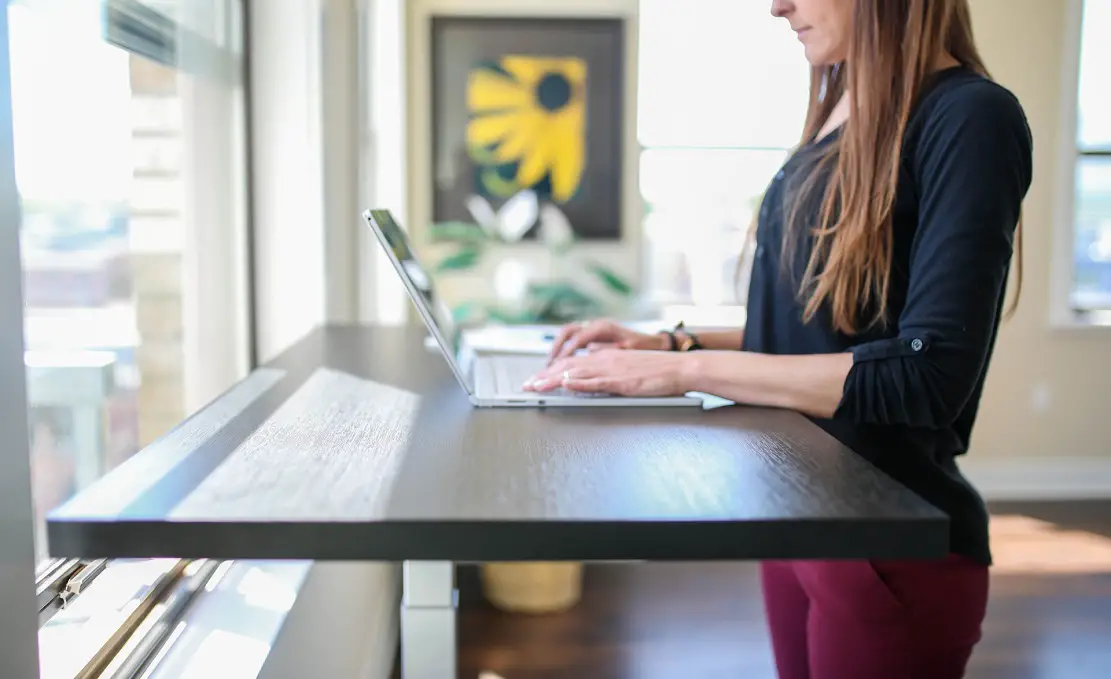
(603, 334)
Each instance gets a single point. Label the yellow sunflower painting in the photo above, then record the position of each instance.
(529, 113)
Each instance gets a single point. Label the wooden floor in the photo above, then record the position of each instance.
(1050, 613)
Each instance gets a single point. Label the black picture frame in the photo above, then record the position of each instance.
(462, 44)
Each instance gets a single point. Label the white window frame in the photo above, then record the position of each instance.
(216, 290)
(19, 642)
(383, 122)
(1062, 313)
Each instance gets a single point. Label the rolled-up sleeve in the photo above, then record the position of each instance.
(972, 169)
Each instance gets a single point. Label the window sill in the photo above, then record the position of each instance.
(232, 629)
(1084, 322)
(239, 616)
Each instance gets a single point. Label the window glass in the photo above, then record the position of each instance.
(1094, 110)
(722, 97)
(1091, 254)
(719, 73)
(113, 169)
(700, 205)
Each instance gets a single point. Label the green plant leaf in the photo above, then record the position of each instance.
(561, 291)
(560, 302)
(465, 258)
(498, 185)
(511, 317)
(457, 232)
(468, 312)
(612, 280)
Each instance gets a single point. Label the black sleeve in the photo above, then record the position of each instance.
(972, 168)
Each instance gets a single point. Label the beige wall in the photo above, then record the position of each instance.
(1049, 391)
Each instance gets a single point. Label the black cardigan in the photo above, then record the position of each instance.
(911, 397)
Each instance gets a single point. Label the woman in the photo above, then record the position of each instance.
(883, 248)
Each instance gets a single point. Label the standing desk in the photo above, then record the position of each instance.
(357, 444)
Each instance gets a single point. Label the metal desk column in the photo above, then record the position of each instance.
(428, 604)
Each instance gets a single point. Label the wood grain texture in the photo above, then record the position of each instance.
(329, 453)
(638, 465)
(371, 451)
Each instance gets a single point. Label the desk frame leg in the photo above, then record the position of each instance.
(428, 605)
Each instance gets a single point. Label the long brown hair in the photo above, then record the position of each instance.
(892, 53)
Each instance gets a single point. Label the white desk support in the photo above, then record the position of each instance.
(428, 604)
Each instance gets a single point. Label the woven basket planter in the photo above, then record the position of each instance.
(534, 587)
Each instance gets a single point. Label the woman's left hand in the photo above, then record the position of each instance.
(617, 372)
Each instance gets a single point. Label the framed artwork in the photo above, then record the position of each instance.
(534, 104)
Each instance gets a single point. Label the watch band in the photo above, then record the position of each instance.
(683, 339)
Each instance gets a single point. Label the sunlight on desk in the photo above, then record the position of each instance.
(341, 440)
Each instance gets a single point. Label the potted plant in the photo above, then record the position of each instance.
(574, 286)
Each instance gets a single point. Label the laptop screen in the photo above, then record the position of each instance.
(433, 309)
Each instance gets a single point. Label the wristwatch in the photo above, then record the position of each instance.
(683, 339)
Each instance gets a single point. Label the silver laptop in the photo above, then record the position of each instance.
(490, 379)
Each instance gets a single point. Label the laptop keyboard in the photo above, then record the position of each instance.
(511, 372)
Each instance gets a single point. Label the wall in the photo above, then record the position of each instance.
(624, 256)
(1046, 401)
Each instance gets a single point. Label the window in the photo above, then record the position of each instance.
(115, 167)
(130, 160)
(722, 98)
(1091, 256)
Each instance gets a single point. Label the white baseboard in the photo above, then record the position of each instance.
(1041, 478)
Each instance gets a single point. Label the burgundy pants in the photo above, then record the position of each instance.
(874, 619)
